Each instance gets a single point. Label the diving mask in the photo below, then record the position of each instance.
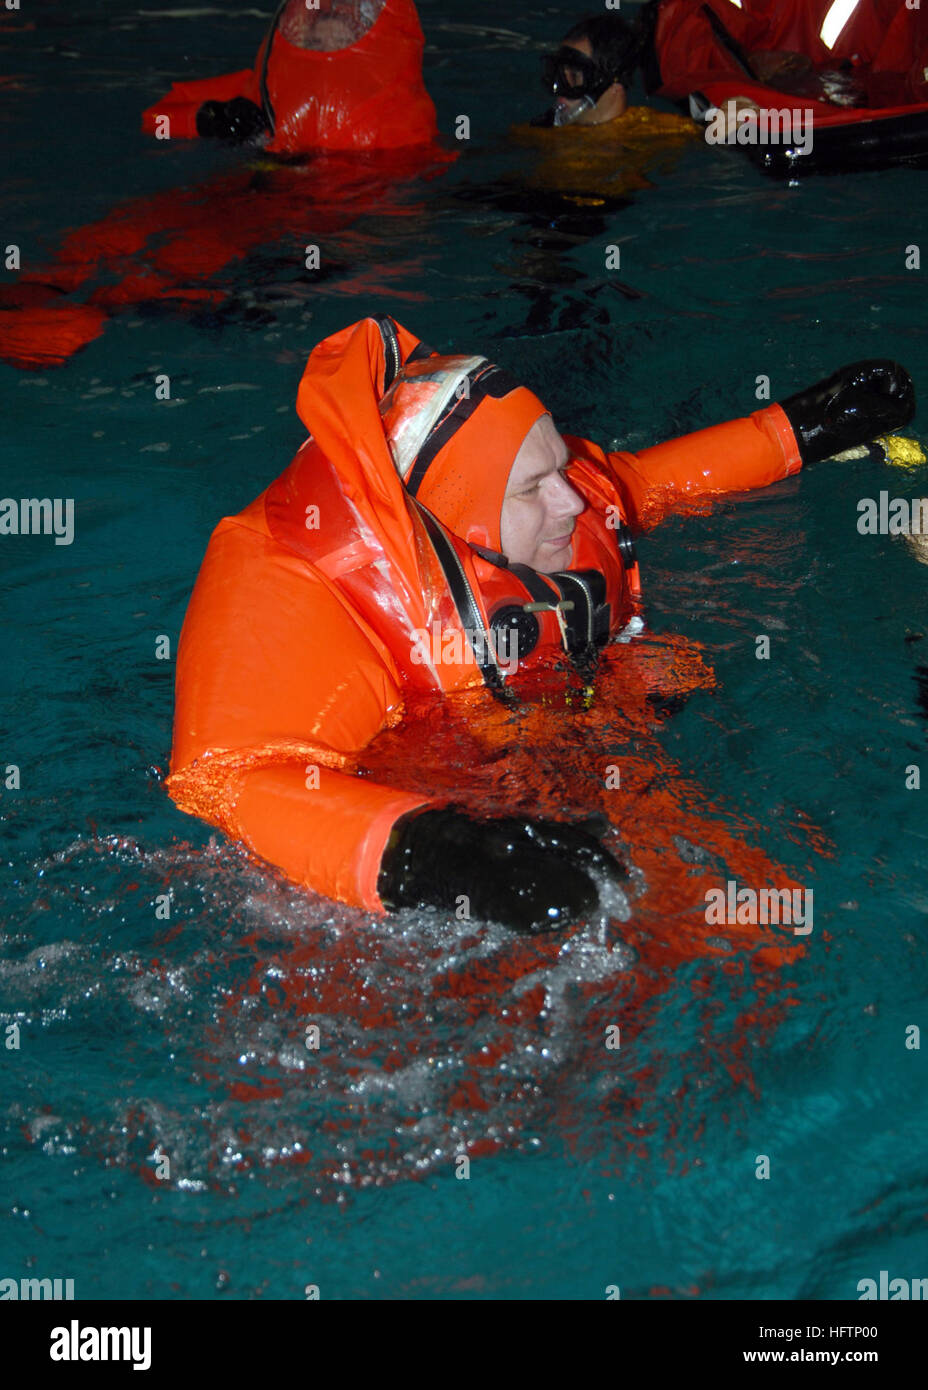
(571, 75)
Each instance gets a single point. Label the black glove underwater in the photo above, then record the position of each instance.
(852, 407)
(237, 120)
(531, 875)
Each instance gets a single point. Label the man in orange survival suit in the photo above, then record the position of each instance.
(435, 494)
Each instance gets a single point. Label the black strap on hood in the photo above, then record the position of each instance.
(262, 79)
(729, 42)
(480, 639)
(487, 380)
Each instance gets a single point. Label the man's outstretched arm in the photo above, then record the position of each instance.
(852, 407)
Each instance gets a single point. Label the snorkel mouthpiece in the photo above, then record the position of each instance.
(565, 113)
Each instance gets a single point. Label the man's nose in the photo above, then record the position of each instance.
(564, 500)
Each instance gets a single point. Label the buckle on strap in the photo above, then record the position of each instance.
(558, 609)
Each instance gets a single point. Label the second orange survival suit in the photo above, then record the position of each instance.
(327, 604)
(340, 75)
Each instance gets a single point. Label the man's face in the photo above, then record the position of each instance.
(611, 104)
(540, 506)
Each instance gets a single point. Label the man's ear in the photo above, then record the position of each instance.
(622, 92)
(615, 100)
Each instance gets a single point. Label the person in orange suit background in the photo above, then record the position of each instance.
(881, 48)
(339, 75)
(365, 101)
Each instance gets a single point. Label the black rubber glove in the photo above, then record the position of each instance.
(850, 408)
(531, 875)
(237, 120)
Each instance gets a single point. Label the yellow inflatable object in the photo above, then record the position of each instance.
(895, 449)
(902, 452)
(609, 160)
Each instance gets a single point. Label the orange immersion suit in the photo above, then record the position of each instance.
(885, 41)
(366, 95)
(306, 632)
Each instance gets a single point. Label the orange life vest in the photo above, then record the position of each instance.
(312, 621)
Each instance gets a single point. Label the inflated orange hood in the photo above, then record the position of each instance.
(446, 430)
(344, 76)
(347, 75)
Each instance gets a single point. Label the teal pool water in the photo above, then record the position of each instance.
(142, 1038)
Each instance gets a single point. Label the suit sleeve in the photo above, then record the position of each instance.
(278, 687)
(735, 457)
(184, 100)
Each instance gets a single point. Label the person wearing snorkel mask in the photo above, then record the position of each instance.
(591, 71)
(594, 148)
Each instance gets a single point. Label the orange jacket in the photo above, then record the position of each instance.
(302, 640)
(368, 96)
(886, 39)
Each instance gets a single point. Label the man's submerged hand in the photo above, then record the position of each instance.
(530, 875)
